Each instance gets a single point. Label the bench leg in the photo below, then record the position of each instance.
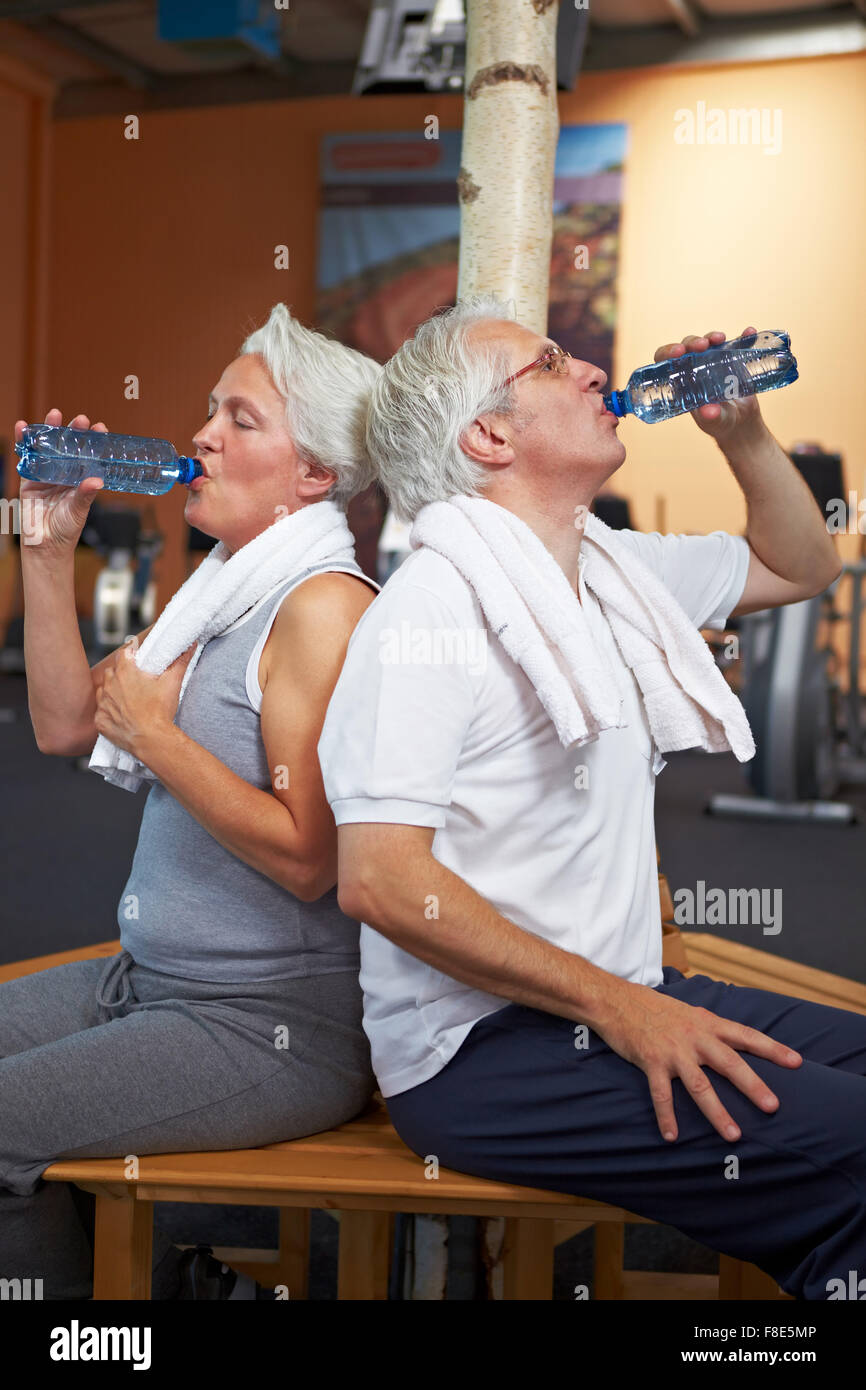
(287, 1267)
(607, 1264)
(294, 1257)
(738, 1280)
(364, 1263)
(123, 1247)
(527, 1259)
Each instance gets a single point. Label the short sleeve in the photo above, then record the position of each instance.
(397, 720)
(705, 574)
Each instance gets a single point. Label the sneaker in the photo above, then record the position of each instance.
(203, 1277)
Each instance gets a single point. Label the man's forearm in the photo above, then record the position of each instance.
(784, 527)
(433, 914)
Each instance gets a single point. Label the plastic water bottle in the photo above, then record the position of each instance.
(742, 367)
(125, 462)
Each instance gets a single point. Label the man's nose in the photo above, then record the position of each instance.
(591, 378)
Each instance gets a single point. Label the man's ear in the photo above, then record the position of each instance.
(488, 441)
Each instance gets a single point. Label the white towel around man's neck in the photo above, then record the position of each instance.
(530, 606)
(221, 589)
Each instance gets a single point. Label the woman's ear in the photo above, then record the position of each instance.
(487, 442)
(314, 479)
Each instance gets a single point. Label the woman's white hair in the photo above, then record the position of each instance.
(326, 387)
(428, 394)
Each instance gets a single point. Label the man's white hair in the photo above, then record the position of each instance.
(326, 387)
(428, 394)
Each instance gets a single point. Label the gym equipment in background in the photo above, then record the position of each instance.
(124, 600)
(810, 734)
(124, 597)
(613, 511)
(12, 651)
(393, 546)
(418, 45)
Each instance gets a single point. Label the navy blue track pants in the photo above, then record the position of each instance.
(520, 1103)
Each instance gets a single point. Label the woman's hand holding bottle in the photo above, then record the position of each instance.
(63, 512)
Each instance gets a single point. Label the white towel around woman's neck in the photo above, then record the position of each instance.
(221, 589)
(530, 606)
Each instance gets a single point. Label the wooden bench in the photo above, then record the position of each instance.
(364, 1173)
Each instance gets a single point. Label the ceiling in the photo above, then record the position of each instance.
(98, 52)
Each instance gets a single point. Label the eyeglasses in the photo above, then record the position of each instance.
(556, 356)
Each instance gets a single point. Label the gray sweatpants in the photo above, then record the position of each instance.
(107, 1058)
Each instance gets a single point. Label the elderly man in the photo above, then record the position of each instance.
(494, 804)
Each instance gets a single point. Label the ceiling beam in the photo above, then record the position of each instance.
(745, 39)
(65, 35)
(17, 74)
(34, 9)
(206, 89)
(35, 20)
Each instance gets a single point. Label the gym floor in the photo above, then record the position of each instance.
(85, 832)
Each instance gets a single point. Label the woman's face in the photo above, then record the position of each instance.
(252, 474)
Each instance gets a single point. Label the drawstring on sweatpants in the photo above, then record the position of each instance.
(115, 973)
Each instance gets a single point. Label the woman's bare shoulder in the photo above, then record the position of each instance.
(324, 602)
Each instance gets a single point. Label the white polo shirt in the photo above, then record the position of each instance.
(431, 723)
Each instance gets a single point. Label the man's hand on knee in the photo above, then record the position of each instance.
(666, 1037)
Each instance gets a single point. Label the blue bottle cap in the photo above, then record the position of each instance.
(189, 468)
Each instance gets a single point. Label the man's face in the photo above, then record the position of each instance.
(250, 463)
(568, 441)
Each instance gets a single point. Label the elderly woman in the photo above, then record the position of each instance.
(232, 1016)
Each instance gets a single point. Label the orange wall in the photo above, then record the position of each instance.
(161, 257)
(726, 236)
(25, 167)
(15, 111)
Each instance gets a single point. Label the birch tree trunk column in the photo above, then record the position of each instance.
(510, 129)
(505, 186)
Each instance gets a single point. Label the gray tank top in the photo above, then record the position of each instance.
(192, 908)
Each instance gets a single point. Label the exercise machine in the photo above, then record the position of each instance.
(809, 726)
(124, 598)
